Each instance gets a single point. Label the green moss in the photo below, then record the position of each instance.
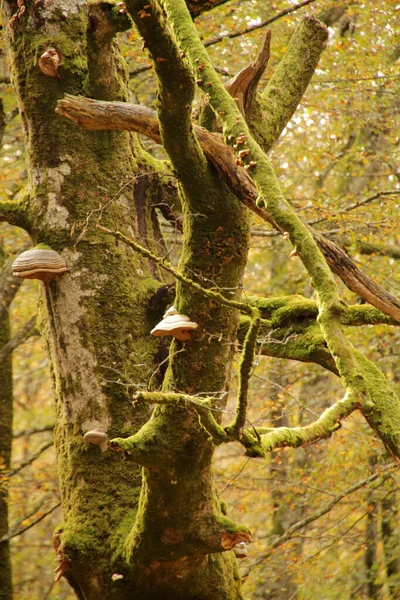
(43, 247)
(231, 527)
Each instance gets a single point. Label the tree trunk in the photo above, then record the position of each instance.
(96, 320)
(6, 412)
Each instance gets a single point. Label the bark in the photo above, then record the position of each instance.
(96, 318)
(160, 532)
(6, 412)
(370, 555)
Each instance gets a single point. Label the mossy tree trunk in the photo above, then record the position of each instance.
(160, 533)
(96, 319)
(6, 414)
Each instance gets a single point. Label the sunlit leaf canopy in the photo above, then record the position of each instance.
(337, 161)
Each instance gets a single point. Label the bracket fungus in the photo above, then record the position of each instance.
(49, 62)
(98, 438)
(39, 263)
(240, 550)
(179, 326)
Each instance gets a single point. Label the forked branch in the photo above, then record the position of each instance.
(98, 115)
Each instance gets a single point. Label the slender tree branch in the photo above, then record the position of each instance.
(28, 330)
(246, 365)
(325, 510)
(31, 459)
(26, 432)
(179, 276)
(9, 285)
(392, 251)
(35, 522)
(234, 34)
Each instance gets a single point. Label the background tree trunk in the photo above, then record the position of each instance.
(6, 402)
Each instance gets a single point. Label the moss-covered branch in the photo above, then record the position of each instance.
(257, 441)
(246, 364)
(301, 341)
(141, 448)
(279, 437)
(285, 310)
(203, 407)
(93, 114)
(15, 212)
(268, 115)
(175, 100)
(355, 373)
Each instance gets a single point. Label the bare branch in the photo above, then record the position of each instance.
(247, 78)
(326, 509)
(30, 460)
(26, 432)
(35, 522)
(234, 34)
(9, 285)
(21, 336)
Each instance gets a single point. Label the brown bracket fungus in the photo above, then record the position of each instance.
(174, 324)
(98, 438)
(49, 62)
(39, 263)
(240, 550)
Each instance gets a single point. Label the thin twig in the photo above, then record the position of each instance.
(27, 331)
(323, 511)
(21, 531)
(31, 459)
(182, 278)
(234, 34)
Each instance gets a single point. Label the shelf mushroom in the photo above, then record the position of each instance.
(98, 438)
(39, 263)
(240, 550)
(179, 326)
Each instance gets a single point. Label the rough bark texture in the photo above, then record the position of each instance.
(104, 296)
(96, 320)
(6, 411)
(162, 532)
